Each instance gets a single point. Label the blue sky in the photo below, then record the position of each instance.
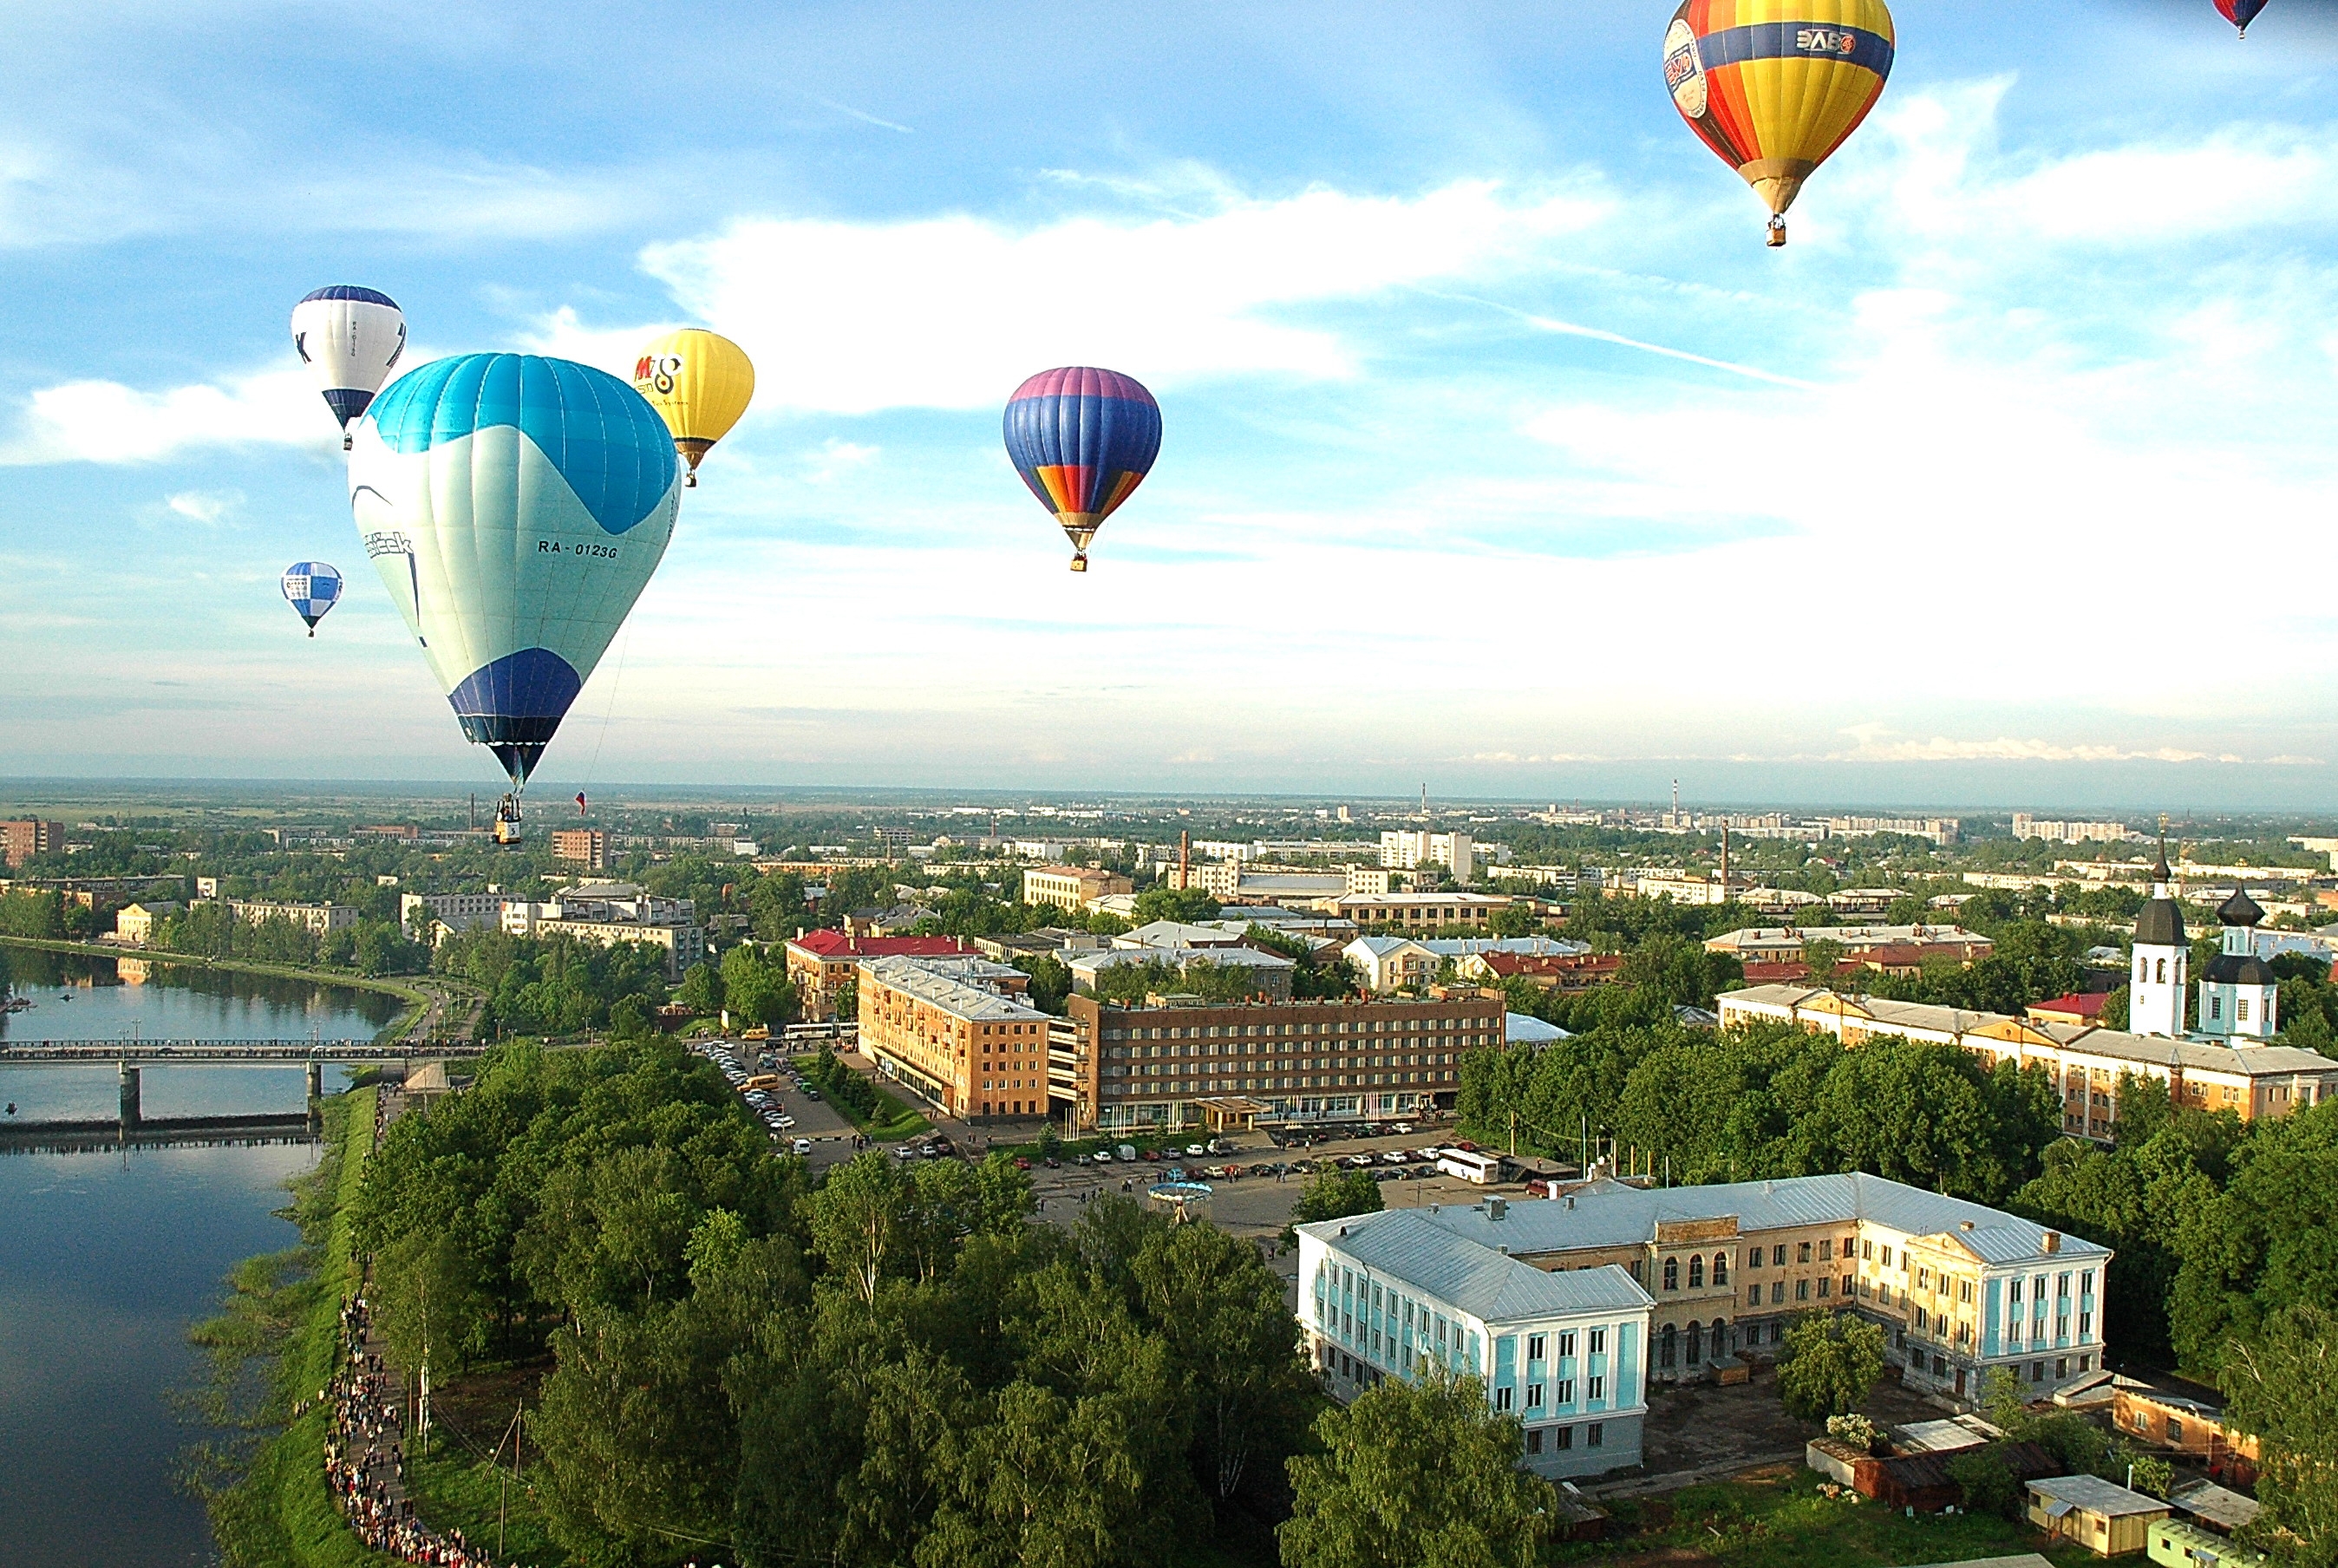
(1500, 453)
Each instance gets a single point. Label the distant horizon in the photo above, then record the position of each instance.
(24, 792)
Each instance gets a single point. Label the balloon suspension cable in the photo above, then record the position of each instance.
(1777, 230)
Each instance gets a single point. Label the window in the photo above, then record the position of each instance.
(1848, 1282)
(2175, 1427)
(1802, 1252)
(1753, 1294)
(1501, 1398)
(1595, 1435)
(1598, 1344)
(2216, 1006)
(1887, 1258)
(1826, 1288)
(1595, 1388)
(1778, 1256)
(1534, 1440)
(1534, 1346)
(2241, 1010)
(1802, 1289)
(1564, 1391)
(1721, 1268)
(1563, 1436)
(1753, 1257)
(1696, 1273)
(1964, 1291)
(1778, 1291)
(1671, 1273)
(1533, 1396)
(1826, 1251)
(1668, 1347)
(1867, 1251)
(1566, 1342)
(2162, 977)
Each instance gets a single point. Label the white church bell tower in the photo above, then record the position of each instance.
(2155, 980)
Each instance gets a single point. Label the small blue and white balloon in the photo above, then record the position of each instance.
(351, 337)
(313, 588)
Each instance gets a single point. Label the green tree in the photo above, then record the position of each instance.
(1184, 904)
(1986, 1481)
(1415, 1475)
(1829, 1365)
(1333, 1194)
(1822, 953)
(2282, 1386)
(756, 989)
(701, 990)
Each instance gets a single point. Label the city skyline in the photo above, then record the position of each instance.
(1499, 452)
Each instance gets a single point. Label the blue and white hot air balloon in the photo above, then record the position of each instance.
(314, 588)
(516, 506)
(351, 339)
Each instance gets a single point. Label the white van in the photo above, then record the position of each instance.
(1128, 1153)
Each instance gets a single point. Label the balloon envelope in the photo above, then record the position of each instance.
(313, 588)
(1774, 86)
(350, 337)
(2240, 12)
(516, 507)
(700, 383)
(1082, 439)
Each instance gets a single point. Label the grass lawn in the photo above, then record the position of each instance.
(456, 1490)
(1784, 1520)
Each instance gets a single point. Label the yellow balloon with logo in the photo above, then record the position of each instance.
(1774, 86)
(700, 382)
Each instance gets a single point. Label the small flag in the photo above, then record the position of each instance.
(580, 802)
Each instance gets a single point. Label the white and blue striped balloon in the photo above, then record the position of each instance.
(313, 588)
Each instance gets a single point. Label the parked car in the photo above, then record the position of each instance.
(1023, 1164)
(1054, 1163)
(1394, 1157)
(1195, 1151)
(803, 1146)
(1102, 1156)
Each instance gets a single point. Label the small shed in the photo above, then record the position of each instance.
(1923, 1481)
(2101, 1515)
(2182, 1545)
(2217, 1506)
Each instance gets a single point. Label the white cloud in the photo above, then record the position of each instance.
(107, 422)
(205, 505)
(836, 459)
(952, 312)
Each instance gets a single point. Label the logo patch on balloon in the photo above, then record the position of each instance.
(1683, 70)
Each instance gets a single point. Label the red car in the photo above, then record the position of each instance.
(1464, 1144)
(1021, 1163)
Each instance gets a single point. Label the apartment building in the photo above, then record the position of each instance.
(607, 913)
(1175, 1060)
(319, 919)
(2025, 826)
(1072, 887)
(2086, 1061)
(19, 841)
(1962, 1288)
(437, 916)
(1398, 1294)
(945, 1029)
(1408, 850)
(134, 924)
(585, 846)
(821, 963)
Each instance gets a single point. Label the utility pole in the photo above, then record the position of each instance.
(1514, 1135)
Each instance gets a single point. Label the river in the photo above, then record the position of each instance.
(106, 1259)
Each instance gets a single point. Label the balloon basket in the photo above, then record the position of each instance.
(1777, 233)
(1079, 563)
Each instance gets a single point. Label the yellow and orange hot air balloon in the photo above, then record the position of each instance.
(700, 383)
(1774, 86)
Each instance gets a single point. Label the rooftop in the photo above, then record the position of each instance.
(2093, 1494)
(827, 944)
(1607, 1213)
(943, 987)
(1407, 1244)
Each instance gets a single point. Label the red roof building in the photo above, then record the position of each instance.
(2083, 1009)
(820, 963)
(1555, 971)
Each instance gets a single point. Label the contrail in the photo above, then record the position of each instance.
(857, 114)
(1571, 330)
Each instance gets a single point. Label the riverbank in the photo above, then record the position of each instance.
(420, 993)
(276, 1512)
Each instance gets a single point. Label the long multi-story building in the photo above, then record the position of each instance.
(2086, 1061)
(1963, 1289)
(1175, 1060)
(318, 920)
(2025, 826)
(608, 913)
(1424, 911)
(1409, 849)
(1401, 1294)
(947, 1029)
(433, 916)
(1785, 944)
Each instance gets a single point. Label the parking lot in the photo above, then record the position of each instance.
(815, 1120)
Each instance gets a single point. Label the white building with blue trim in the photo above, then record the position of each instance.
(1398, 1295)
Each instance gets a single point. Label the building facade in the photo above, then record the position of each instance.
(1072, 887)
(1269, 975)
(2025, 826)
(434, 916)
(585, 846)
(1397, 1295)
(1409, 850)
(1961, 1289)
(2239, 998)
(1177, 1060)
(1424, 911)
(19, 841)
(943, 1029)
(1785, 944)
(134, 924)
(318, 919)
(607, 913)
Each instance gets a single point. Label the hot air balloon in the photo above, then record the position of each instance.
(351, 337)
(516, 507)
(1082, 439)
(700, 383)
(1774, 86)
(2240, 12)
(314, 588)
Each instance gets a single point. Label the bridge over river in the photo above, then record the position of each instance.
(130, 1058)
